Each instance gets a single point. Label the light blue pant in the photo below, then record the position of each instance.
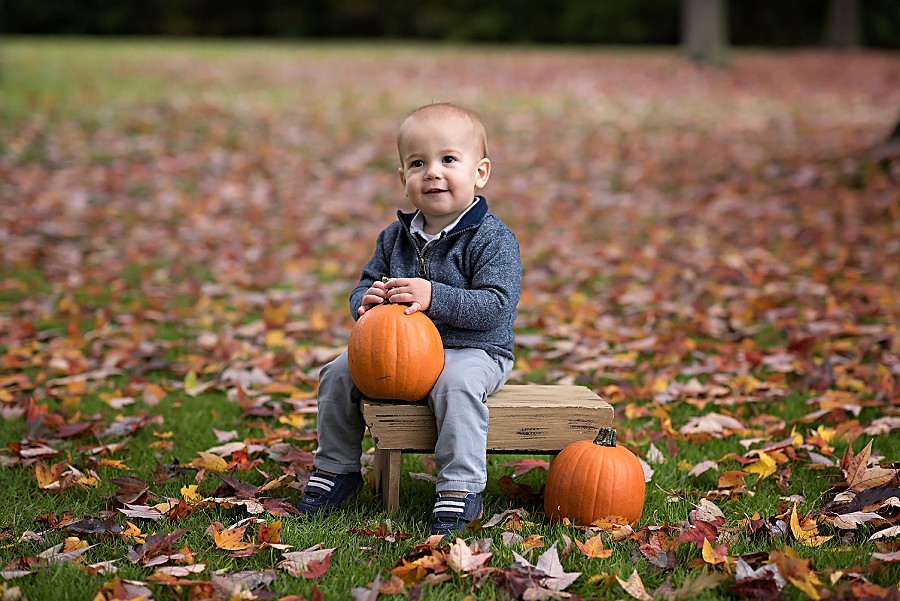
(457, 400)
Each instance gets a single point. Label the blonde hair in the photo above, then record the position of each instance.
(448, 108)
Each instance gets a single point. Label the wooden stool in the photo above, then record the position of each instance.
(523, 419)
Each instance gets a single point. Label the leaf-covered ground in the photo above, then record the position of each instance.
(716, 252)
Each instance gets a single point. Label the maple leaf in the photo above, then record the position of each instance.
(280, 507)
(859, 476)
(548, 562)
(806, 531)
(269, 534)
(410, 572)
(701, 532)
(48, 478)
(230, 539)
(797, 572)
(190, 495)
(133, 533)
(634, 586)
(593, 547)
(307, 563)
(764, 466)
(526, 464)
(533, 541)
(460, 558)
(521, 493)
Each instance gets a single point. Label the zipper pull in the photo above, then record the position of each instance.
(421, 267)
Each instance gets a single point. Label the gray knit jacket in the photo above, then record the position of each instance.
(475, 274)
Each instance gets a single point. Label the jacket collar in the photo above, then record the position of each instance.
(473, 217)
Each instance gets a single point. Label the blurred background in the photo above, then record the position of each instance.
(872, 23)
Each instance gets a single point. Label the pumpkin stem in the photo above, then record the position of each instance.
(606, 437)
(384, 280)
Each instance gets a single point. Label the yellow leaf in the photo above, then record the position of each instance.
(409, 572)
(764, 465)
(190, 380)
(190, 494)
(714, 555)
(317, 320)
(275, 339)
(133, 533)
(806, 532)
(275, 313)
(534, 541)
(73, 543)
(294, 420)
(48, 477)
(593, 547)
(113, 463)
(209, 461)
(229, 539)
(825, 433)
(807, 584)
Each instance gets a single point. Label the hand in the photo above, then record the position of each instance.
(373, 297)
(415, 292)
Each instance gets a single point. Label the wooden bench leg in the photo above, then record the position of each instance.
(387, 478)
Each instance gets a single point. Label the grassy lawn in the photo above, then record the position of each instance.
(713, 251)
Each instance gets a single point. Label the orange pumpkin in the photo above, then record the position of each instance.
(590, 480)
(393, 355)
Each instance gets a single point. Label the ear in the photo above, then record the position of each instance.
(482, 173)
(402, 175)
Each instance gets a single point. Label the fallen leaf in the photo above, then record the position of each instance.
(230, 539)
(593, 547)
(460, 557)
(634, 586)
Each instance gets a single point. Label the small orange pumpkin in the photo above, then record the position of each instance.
(393, 355)
(590, 480)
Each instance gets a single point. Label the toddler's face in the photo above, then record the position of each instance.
(442, 166)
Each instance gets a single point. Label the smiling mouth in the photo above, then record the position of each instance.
(434, 191)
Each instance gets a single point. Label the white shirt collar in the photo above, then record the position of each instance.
(418, 224)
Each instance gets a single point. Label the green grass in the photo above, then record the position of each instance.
(140, 121)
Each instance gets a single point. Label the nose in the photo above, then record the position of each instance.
(433, 171)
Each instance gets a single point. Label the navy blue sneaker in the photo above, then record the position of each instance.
(453, 514)
(324, 492)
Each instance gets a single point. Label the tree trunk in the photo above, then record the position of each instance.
(704, 31)
(842, 29)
